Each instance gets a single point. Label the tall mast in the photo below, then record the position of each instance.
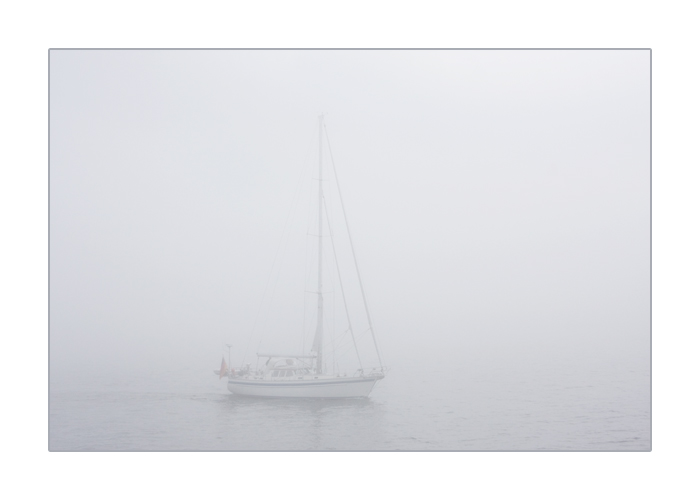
(318, 339)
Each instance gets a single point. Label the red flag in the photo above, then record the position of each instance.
(224, 368)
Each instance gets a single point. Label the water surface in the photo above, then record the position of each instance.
(543, 406)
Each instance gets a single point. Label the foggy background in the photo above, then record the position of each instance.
(498, 200)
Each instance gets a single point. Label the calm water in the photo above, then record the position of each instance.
(557, 406)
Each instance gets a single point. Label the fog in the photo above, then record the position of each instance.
(499, 203)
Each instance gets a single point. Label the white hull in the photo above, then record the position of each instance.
(324, 387)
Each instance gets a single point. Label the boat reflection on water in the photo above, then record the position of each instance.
(235, 402)
(249, 423)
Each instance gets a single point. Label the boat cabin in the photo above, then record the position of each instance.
(286, 368)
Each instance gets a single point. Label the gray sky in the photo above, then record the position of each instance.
(499, 201)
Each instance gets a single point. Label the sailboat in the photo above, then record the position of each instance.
(305, 375)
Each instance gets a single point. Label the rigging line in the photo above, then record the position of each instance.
(342, 289)
(346, 346)
(352, 247)
(332, 321)
(307, 269)
(343, 341)
(274, 287)
(340, 341)
(333, 294)
(329, 223)
(287, 237)
(303, 323)
(343, 346)
(294, 203)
